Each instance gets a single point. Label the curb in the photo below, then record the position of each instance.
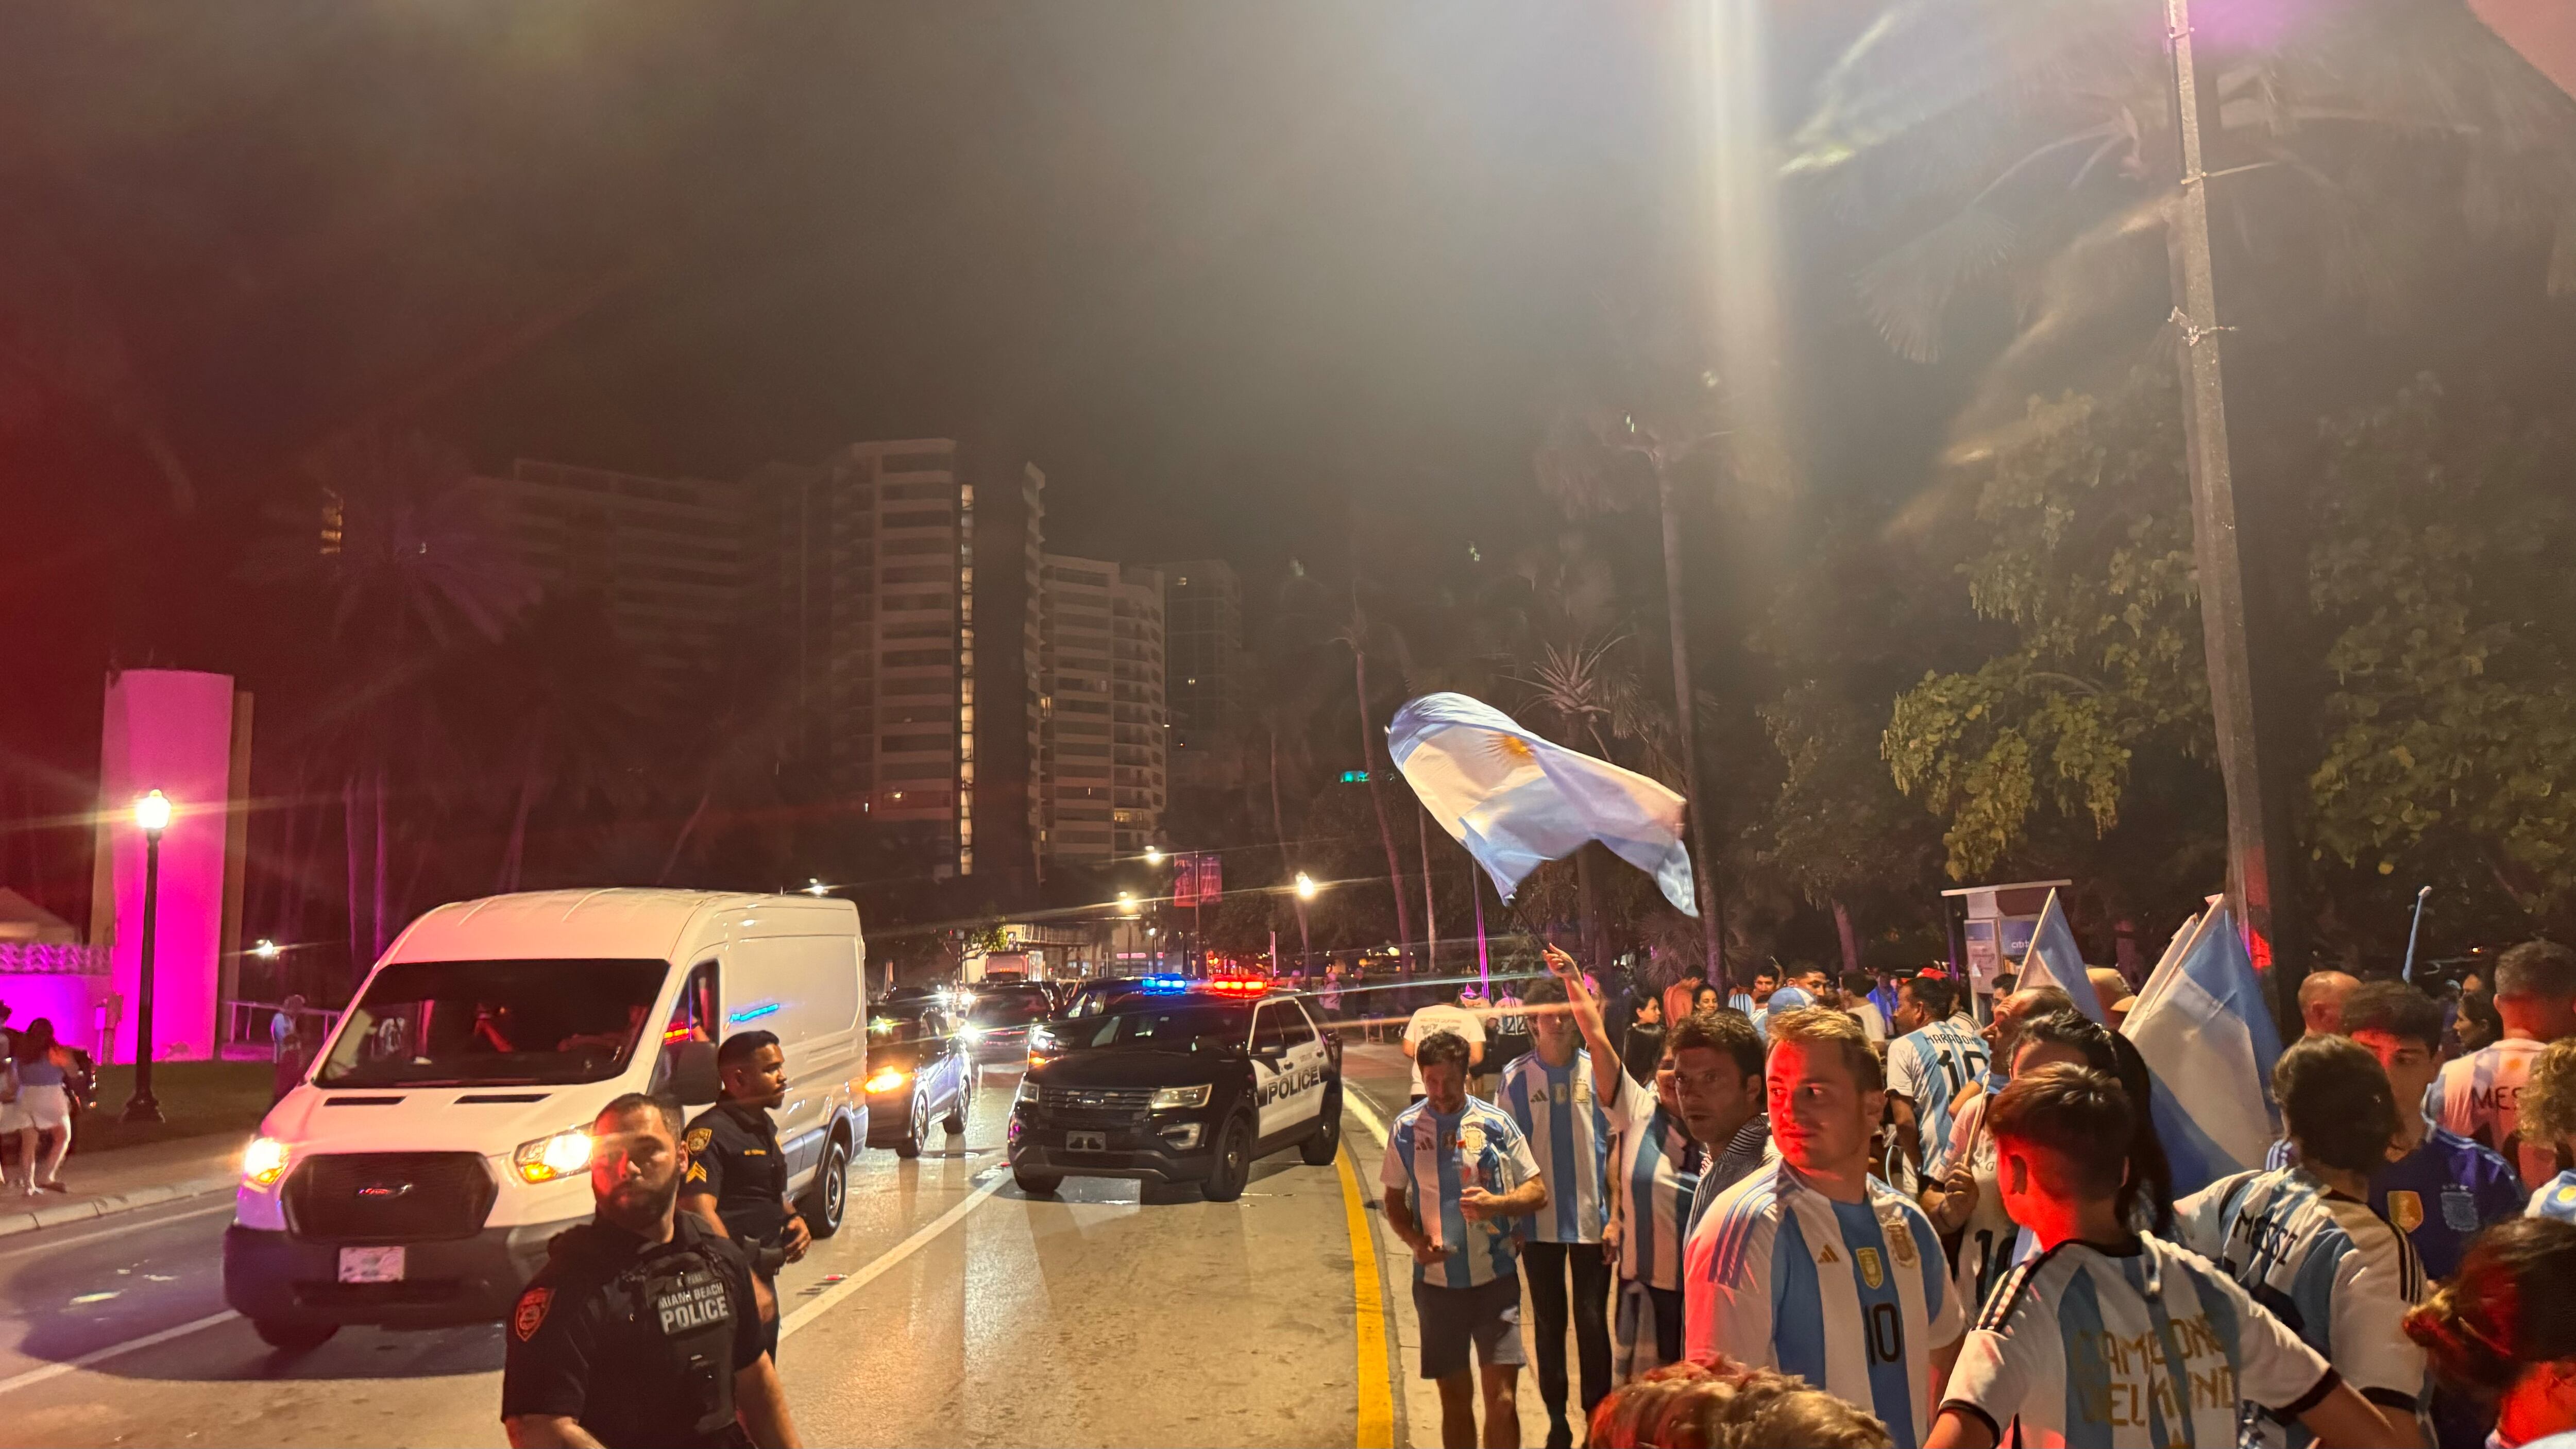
(80, 1210)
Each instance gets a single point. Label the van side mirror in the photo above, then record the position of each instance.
(694, 1079)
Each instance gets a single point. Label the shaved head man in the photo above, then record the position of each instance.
(2321, 1001)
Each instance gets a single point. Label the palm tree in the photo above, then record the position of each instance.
(2023, 146)
(1359, 634)
(1589, 464)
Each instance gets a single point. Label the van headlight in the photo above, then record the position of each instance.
(557, 1156)
(1171, 1098)
(264, 1161)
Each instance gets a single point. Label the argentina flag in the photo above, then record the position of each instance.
(2055, 960)
(2206, 1033)
(1514, 799)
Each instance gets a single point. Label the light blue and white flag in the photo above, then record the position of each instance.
(2206, 1033)
(2055, 960)
(1515, 799)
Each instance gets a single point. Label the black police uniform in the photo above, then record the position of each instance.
(637, 1341)
(734, 1155)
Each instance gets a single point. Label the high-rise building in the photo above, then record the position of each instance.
(668, 559)
(893, 588)
(1102, 748)
(1203, 628)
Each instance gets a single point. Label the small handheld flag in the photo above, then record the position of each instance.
(2055, 960)
(1514, 799)
(2207, 1037)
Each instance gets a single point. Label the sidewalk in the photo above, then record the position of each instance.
(123, 1178)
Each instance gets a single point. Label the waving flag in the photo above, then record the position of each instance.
(2206, 1033)
(2055, 960)
(1515, 799)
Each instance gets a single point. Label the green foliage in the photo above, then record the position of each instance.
(2441, 573)
(2086, 554)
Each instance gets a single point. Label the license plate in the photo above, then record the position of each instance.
(1086, 1142)
(371, 1265)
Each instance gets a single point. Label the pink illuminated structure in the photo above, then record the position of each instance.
(169, 730)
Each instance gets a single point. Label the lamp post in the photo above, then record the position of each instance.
(152, 813)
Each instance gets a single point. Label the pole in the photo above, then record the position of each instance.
(1430, 915)
(2259, 846)
(143, 1106)
(1475, 889)
(2412, 931)
(1712, 916)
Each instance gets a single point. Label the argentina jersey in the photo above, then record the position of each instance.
(1432, 1158)
(2555, 1199)
(1853, 1297)
(1659, 1164)
(1569, 1135)
(2144, 1346)
(1929, 1068)
(2479, 1096)
(2334, 1272)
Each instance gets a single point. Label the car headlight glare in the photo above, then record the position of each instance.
(888, 1079)
(1167, 1098)
(264, 1161)
(1028, 1091)
(558, 1155)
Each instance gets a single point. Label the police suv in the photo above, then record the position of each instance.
(1183, 1081)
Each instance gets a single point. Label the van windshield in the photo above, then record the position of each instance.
(493, 1023)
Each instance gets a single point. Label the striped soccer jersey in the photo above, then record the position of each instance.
(1431, 1157)
(1989, 1240)
(2334, 1272)
(1569, 1135)
(2479, 1096)
(2141, 1346)
(1852, 1297)
(1929, 1068)
(2555, 1198)
(1658, 1163)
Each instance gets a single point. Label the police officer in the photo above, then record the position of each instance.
(737, 1180)
(640, 1329)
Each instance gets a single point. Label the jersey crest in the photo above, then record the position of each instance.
(2406, 1210)
(1871, 1271)
(1900, 1241)
(1471, 1139)
(531, 1312)
(2459, 1210)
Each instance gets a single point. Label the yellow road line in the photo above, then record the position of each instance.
(1376, 1426)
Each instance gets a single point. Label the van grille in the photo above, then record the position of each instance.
(389, 1197)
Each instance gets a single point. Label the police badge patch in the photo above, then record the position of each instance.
(531, 1314)
(2406, 1210)
(1870, 1269)
(699, 1137)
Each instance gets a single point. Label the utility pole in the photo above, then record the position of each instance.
(2260, 847)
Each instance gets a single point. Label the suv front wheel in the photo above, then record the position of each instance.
(1233, 1170)
(1320, 1149)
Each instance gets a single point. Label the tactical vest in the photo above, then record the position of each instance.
(678, 1300)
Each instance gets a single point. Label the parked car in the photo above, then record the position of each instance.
(919, 1070)
(998, 1020)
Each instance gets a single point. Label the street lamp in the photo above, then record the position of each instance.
(152, 813)
(266, 950)
(1153, 855)
(1305, 886)
(815, 887)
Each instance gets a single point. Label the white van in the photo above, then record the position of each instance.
(440, 1138)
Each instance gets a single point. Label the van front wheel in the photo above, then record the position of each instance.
(828, 1200)
(293, 1337)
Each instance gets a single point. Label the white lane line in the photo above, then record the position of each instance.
(101, 1355)
(1358, 1103)
(37, 1242)
(885, 1261)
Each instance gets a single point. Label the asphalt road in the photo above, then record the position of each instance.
(951, 1309)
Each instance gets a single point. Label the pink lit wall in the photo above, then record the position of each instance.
(67, 1000)
(168, 730)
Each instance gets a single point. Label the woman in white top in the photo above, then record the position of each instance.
(43, 1107)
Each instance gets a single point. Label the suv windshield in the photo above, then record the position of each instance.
(493, 1023)
(1179, 1027)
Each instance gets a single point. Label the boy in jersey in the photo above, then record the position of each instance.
(1814, 1267)
(2303, 1240)
(1557, 1094)
(1933, 1059)
(2479, 1095)
(2108, 1337)
(1457, 1172)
